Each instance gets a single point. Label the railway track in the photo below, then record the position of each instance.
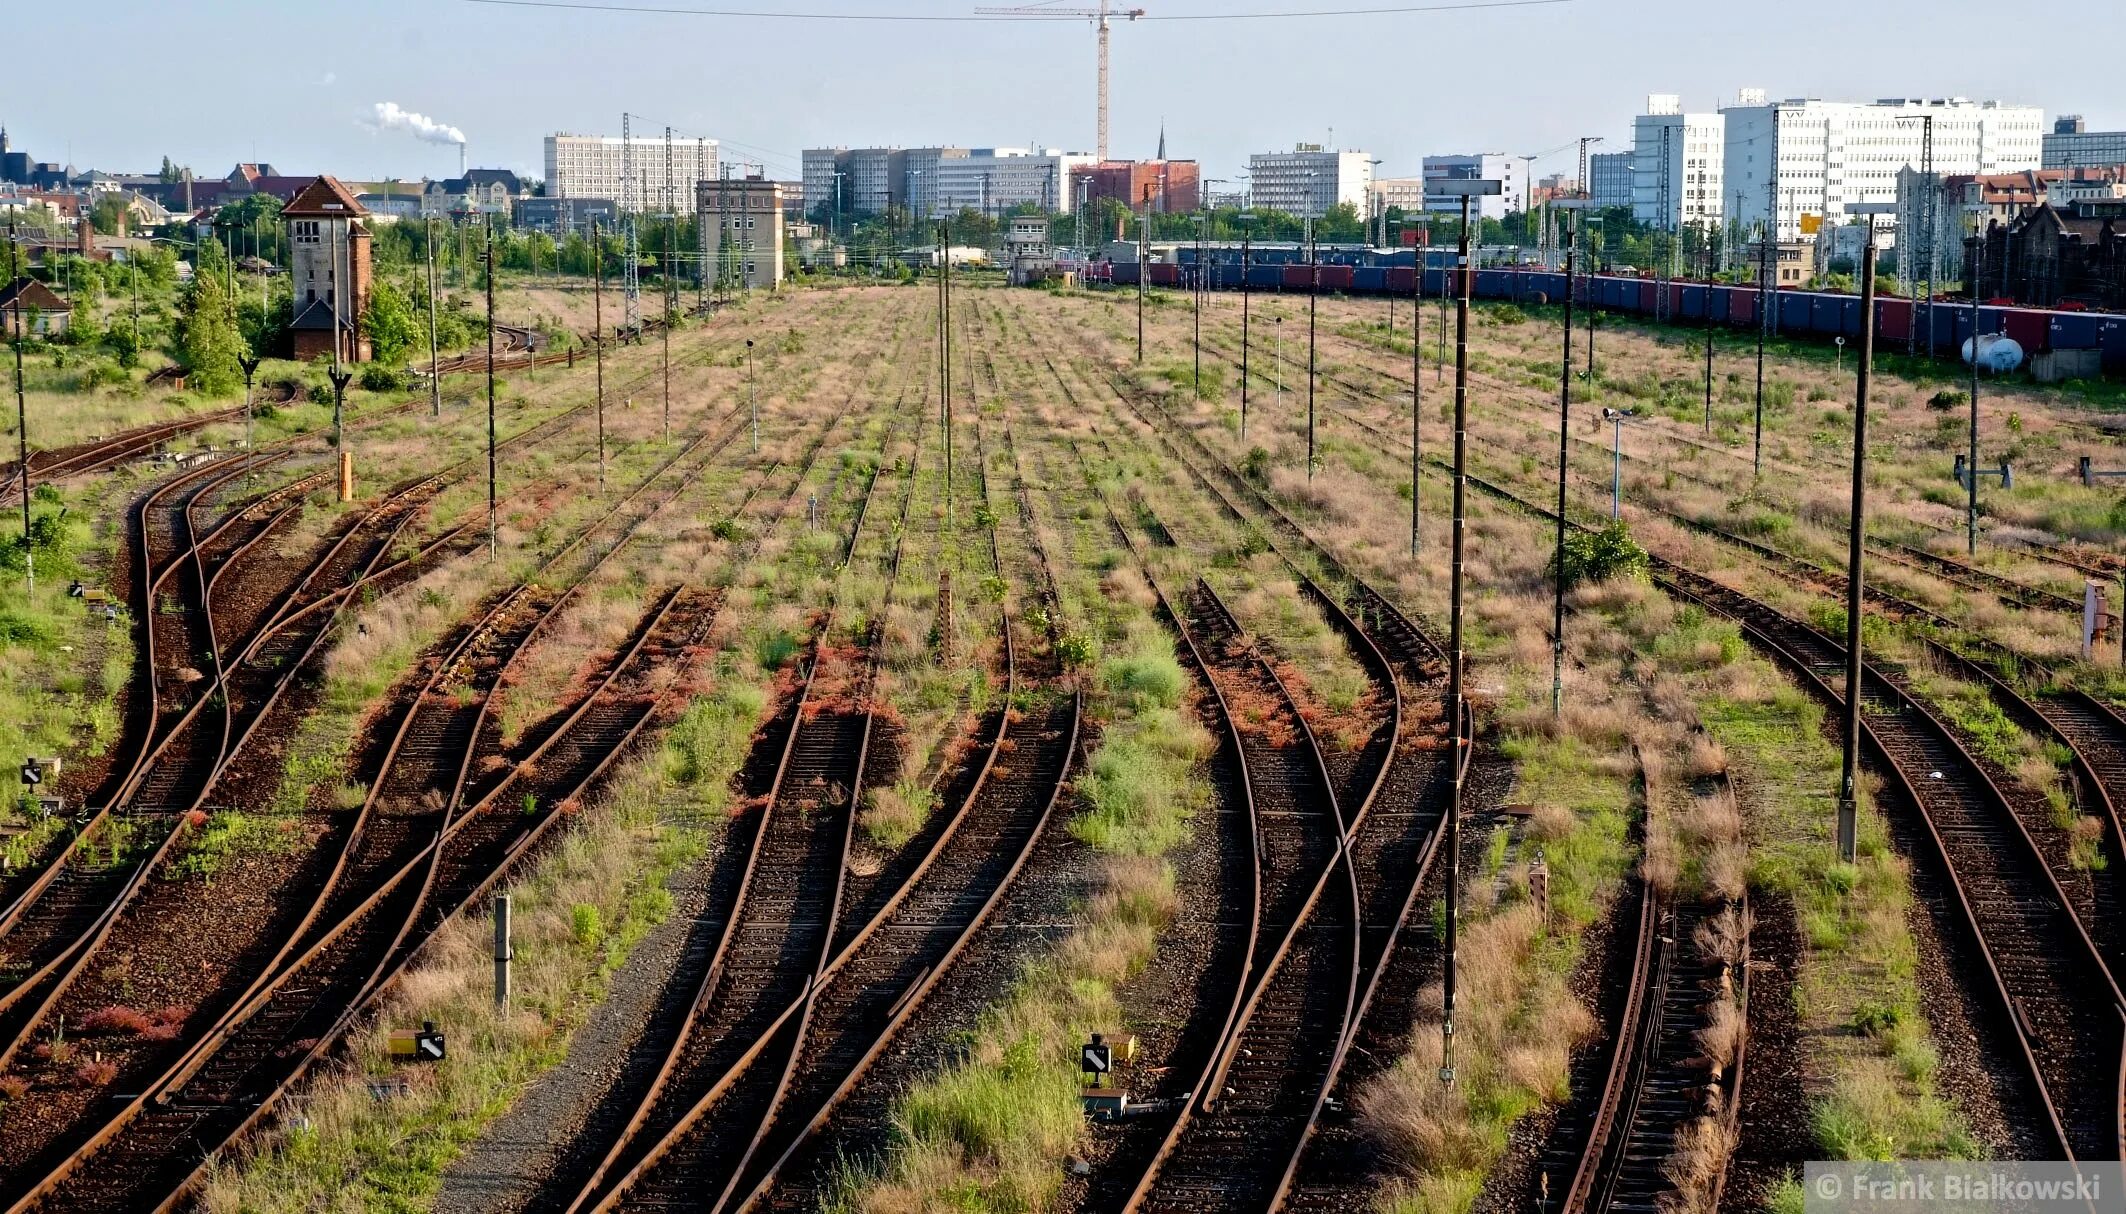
(394, 868)
(2093, 734)
(1408, 803)
(880, 970)
(76, 906)
(2052, 992)
(1686, 953)
(98, 454)
(775, 921)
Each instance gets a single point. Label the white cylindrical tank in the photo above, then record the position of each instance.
(1997, 352)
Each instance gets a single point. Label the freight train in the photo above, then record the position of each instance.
(1821, 314)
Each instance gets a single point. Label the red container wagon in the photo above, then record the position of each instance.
(1336, 278)
(1165, 274)
(1401, 279)
(2028, 327)
(1893, 319)
(1298, 278)
(1742, 306)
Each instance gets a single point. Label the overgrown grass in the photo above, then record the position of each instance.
(989, 1133)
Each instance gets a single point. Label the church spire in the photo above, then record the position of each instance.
(1162, 139)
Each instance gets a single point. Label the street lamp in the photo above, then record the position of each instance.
(1616, 418)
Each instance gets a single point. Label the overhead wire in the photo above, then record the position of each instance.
(1019, 18)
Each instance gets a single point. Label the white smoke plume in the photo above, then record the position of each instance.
(389, 115)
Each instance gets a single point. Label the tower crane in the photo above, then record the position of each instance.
(1098, 15)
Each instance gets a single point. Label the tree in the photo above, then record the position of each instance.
(208, 336)
(108, 213)
(390, 325)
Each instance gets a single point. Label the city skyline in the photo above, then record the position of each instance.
(866, 83)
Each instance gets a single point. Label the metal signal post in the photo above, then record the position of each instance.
(597, 339)
(1557, 616)
(1457, 706)
(492, 511)
(1849, 767)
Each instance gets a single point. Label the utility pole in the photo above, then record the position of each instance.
(492, 497)
(1417, 375)
(1849, 767)
(1971, 510)
(945, 332)
(1144, 237)
(752, 396)
(598, 340)
(1765, 303)
(1557, 616)
(1313, 302)
(1457, 707)
(1246, 264)
(671, 308)
(22, 416)
(435, 381)
(1199, 303)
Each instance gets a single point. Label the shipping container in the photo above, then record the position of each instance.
(1125, 272)
(1373, 279)
(1266, 278)
(1796, 313)
(1893, 319)
(1675, 299)
(1336, 278)
(1644, 298)
(2074, 331)
(2027, 327)
(1690, 302)
(2111, 339)
(1164, 274)
(1298, 278)
(1399, 279)
(1743, 304)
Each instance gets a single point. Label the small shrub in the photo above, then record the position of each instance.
(13, 1088)
(376, 377)
(1598, 556)
(1946, 399)
(1875, 1019)
(110, 1021)
(96, 1073)
(586, 925)
(320, 394)
(1076, 650)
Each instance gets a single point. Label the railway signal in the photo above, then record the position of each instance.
(424, 1044)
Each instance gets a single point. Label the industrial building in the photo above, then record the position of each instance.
(742, 219)
(596, 166)
(1677, 162)
(2071, 145)
(560, 216)
(1310, 179)
(1511, 172)
(2050, 255)
(1802, 156)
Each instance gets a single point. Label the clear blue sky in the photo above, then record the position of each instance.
(119, 84)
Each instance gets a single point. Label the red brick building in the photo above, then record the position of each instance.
(330, 270)
(1143, 186)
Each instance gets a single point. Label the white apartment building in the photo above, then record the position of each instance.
(1310, 179)
(993, 180)
(1677, 165)
(1510, 171)
(591, 166)
(1406, 193)
(1806, 156)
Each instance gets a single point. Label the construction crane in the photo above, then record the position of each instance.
(1099, 15)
